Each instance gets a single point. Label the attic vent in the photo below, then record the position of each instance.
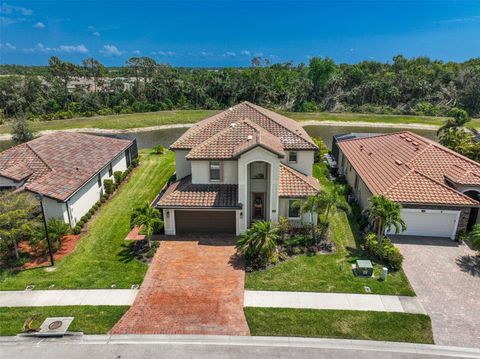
(249, 137)
(398, 162)
(402, 136)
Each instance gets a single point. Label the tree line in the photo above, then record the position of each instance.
(405, 86)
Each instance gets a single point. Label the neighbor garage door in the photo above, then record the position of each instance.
(430, 223)
(205, 221)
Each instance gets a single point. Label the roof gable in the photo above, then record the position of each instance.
(288, 131)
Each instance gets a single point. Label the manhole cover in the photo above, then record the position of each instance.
(55, 325)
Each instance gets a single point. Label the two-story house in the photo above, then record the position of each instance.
(242, 165)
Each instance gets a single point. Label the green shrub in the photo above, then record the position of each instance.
(383, 251)
(118, 176)
(109, 186)
(159, 149)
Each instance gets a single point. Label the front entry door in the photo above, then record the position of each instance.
(258, 206)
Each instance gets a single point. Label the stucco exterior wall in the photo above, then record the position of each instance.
(55, 209)
(201, 172)
(261, 155)
(182, 166)
(304, 161)
(7, 182)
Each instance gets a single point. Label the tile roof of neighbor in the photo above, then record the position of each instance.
(183, 193)
(409, 168)
(58, 164)
(292, 136)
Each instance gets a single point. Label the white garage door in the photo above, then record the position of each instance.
(430, 223)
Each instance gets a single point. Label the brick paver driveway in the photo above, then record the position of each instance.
(193, 286)
(446, 278)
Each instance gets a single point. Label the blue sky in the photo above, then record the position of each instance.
(228, 33)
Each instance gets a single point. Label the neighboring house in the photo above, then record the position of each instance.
(242, 165)
(66, 169)
(437, 188)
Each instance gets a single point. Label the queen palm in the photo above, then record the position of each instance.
(147, 218)
(311, 205)
(385, 214)
(258, 241)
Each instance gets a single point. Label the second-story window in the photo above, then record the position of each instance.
(215, 171)
(292, 156)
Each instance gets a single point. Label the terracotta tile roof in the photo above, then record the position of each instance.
(234, 140)
(183, 193)
(296, 184)
(288, 131)
(60, 163)
(409, 168)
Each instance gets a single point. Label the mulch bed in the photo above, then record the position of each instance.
(68, 245)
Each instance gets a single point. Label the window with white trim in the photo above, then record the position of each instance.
(293, 209)
(215, 171)
(292, 157)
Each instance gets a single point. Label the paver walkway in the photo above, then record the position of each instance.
(344, 301)
(192, 287)
(45, 298)
(446, 278)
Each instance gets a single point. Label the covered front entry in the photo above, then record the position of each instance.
(430, 222)
(205, 221)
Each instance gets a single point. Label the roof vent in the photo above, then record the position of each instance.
(249, 137)
(398, 162)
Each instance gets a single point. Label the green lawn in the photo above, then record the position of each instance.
(138, 120)
(88, 319)
(102, 257)
(120, 122)
(395, 327)
(329, 272)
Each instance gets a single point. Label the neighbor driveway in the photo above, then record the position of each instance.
(446, 278)
(193, 286)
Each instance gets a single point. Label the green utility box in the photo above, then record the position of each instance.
(364, 268)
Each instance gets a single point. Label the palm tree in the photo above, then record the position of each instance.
(311, 206)
(459, 119)
(147, 218)
(258, 241)
(385, 214)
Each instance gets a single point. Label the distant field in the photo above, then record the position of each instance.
(139, 120)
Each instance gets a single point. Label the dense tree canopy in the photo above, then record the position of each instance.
(404, 86)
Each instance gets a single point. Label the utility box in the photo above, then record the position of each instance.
(364, 268)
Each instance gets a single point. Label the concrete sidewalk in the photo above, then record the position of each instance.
(345, 301)
(45, 298)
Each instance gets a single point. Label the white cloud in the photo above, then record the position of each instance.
(39, 25)
(96, 33)
(110, 50)
(164, 53)
(10, 9)
(245, 53)
(68, 49)
(136, 52)
(8, 46)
